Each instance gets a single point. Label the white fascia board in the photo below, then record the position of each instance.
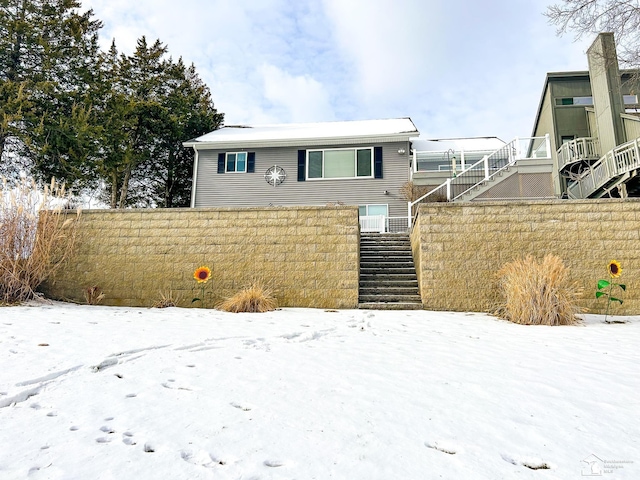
(302, 142)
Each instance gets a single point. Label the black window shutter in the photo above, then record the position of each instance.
(302, 165)
(221, 160)
(251, 162)
(377, 162)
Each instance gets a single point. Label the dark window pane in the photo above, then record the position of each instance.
(364, 163)
(231, 162)
(315, 164)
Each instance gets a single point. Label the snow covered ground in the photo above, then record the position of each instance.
(90, 392)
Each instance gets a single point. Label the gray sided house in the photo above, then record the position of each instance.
(363, 163)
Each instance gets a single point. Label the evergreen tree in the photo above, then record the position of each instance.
(47, 58)
(153, 105)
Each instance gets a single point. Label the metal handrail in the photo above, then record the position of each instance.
(622, 159)
(485, 169)
(584, 148)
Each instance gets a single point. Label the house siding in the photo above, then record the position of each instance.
(251, 189)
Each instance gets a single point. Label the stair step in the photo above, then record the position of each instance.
(371, 283)
(390, 306)
(387, 270)
(375, 267)
(390, 298)
(388, 291)
(391, 261)
(385, 277)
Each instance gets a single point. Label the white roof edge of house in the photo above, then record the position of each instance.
(301, 142)
(323, 133)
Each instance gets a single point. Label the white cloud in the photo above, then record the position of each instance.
(458, 68)
(299, 98)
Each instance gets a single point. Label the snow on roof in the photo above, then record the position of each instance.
(457, 144)
(302, 131)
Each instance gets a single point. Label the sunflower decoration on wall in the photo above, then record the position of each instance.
(201, 276)
(615, 270)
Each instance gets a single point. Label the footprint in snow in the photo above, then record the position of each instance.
(149, 448)
(533, 463)
(201, 458)
(103, 439)
(170, 384)
(131, 395)
(127, 438)
(274, 463)
(244, 407)
(444, 446)
(107, 429)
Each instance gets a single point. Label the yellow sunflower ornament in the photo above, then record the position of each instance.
(615, 270)
(202, 276)
(605, 287)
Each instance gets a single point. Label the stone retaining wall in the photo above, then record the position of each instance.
(458, 248)
(308, 255)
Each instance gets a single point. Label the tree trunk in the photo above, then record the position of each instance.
(124, 188)
(168, 186)
(114, 190)
(3, 141)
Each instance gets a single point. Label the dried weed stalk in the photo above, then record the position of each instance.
(36, 237)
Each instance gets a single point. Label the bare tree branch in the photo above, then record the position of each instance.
(590, 17)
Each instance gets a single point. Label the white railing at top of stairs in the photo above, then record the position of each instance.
(488, 167)
(585, 148)
(623, 159)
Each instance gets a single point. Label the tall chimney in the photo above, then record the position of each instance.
(606, 90)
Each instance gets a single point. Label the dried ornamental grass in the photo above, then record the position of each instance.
(166, 300)
(538, 293)
(256, 298)
(36, 237)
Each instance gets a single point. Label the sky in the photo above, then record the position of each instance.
(459, 68)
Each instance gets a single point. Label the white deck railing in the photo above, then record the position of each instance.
(383, 224)
(586, 148)
(485, 169)
(623, 159)
(372, 223)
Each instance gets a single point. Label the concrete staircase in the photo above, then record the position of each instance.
(388, 278)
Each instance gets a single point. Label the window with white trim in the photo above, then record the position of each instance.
(371, 210)
(340, 163)
(236, 162)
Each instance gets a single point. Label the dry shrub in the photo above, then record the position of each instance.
(254, 298)
(36, 237)
(538, 293)
(168, 299)
(411, 192)
(93, 295)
